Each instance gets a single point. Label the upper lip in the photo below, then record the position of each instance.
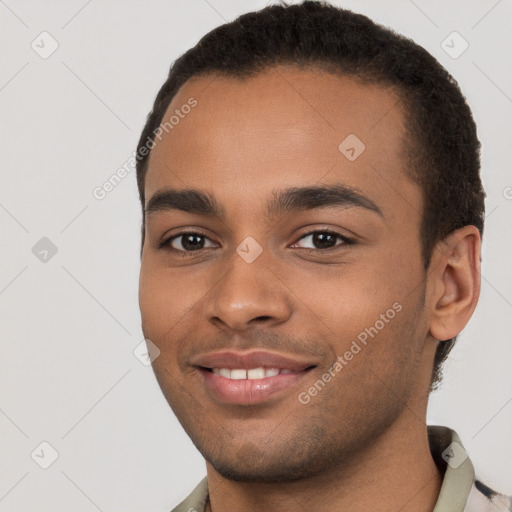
(247, 360)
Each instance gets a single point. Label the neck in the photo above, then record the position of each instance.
(396, 473)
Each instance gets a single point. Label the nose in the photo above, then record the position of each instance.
(248, 295)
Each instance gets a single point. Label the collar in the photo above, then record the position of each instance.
(452, 459)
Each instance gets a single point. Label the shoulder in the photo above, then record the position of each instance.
(196, 500)
(484, 499)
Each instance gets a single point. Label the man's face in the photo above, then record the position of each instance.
(308, 296)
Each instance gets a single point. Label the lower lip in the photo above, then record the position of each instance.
(249, 391)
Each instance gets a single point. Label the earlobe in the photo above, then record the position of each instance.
(455, 282)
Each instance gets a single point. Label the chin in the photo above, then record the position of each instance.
(267, 474)
(251, 464)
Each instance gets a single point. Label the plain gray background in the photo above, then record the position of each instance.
(70, 320)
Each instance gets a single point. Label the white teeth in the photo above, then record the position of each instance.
(252, 373)
(256, 373)
(238, 374)
(225, 372)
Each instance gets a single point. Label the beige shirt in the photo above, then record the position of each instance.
(461, 490)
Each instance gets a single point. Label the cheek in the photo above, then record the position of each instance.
(164, 304)
(349, 298)
(374, 299)
(166, 297)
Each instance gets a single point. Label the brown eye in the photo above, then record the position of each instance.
(187, 242)
(323, 239)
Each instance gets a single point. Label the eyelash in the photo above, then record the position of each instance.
(166, 244)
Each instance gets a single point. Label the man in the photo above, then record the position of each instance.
(313, 215)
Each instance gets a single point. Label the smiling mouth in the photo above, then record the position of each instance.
(253, 373)
(251, 386)
(251, 377)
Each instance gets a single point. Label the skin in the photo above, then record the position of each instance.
(361, 442)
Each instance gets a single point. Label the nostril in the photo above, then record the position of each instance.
(260, 318)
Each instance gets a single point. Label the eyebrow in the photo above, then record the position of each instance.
(290, 200)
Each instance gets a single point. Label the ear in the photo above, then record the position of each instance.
(454, 278)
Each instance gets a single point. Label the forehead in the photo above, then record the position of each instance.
(282, 127)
